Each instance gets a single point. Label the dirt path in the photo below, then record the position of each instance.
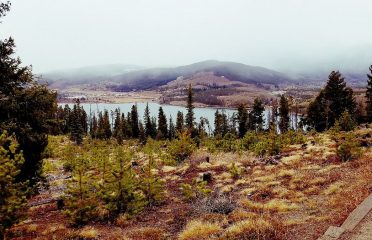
(362, 232)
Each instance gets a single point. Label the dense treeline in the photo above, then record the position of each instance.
(333, 102)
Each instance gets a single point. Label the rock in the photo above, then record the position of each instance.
(60, 204)
(207, 177)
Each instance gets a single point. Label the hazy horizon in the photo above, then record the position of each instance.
(287, 35)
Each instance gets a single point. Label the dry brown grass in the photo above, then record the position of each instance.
(305, 193)
(200, 230)
(147, 233)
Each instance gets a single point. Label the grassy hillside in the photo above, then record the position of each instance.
(246, 192)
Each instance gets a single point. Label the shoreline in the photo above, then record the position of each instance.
(144, 101)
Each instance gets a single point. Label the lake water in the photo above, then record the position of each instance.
(169, 110)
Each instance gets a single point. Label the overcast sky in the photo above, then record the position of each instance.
(279, 34)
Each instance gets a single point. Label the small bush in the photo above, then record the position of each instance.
(235, 171)
(181, 148)
(346, 122)
(347, 147)
(195, 190)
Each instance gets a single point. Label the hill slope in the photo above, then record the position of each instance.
(150, 78)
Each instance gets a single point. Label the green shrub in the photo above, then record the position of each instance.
(195, 190)
(249, 140)
(12, 193)
(346, 122)
(235, 171)
(347, 147)
(292, 137)
(181, 148)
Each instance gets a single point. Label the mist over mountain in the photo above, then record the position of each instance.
(86, 75)
(123, 77)
(128, 77)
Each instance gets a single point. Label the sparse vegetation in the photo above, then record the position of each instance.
(114, 176)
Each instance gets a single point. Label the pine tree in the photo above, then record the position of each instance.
(346, 122)
(203, 123)
(274, 114)
(127, 126)
(172, 129)
(12, 192)
(283, 114)
(149, 130)
(77, 130)
(218, 124)
(84, 120)
(331, 102)
(152, 185)
(100, 129)
(256, 115)
(94, 127)
(66, 119)
(190, 110)
(26, 107)
(106, 125)
(142, 134)
(80, 202)
(179, 122)
(369, 96)
(122, 193)
(242, 120)
(118, 127)
(162, 125)
(134, 122)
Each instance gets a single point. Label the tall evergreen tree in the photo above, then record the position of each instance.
(331, 102)
(274, 114)
(118, 127)
(117, 124)
(77, 130)
(218, 124)
(162, 125)
(256, 115)
(106, 125)
(26, 107)
(134, 122)
(94, 127)
(66, 118)
(172, 129)
(283, 114)
(128, 128)
(190, 110)
(149, 131)
(242, 120)
(180, 122)
(100, 129)
(142, 133)
(369, 96)
(221, 125)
